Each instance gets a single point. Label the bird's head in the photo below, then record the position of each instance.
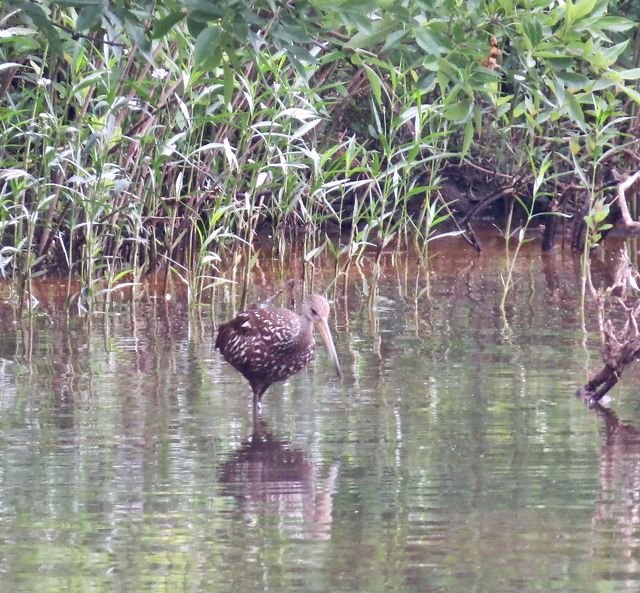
(315, 308)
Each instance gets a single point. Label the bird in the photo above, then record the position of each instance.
(269, 344)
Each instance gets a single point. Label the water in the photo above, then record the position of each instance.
(451, 457)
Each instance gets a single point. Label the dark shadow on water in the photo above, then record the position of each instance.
(269, 478)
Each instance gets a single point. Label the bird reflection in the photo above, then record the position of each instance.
(269, 478)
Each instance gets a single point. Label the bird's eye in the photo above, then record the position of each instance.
(313, 311)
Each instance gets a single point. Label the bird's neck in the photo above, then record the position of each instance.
(306, 330)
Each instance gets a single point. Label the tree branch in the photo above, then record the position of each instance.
(623, 186)
(93, 38)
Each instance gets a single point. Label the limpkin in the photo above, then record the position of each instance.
(270, 344)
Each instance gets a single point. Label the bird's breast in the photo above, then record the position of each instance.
(294, 362)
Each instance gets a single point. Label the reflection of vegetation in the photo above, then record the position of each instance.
(529, 210)
(615, 519)
(457, 450)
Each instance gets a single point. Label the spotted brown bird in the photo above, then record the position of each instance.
(270, 344)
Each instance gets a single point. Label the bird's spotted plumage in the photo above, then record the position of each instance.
(266, 345)
(270, 344)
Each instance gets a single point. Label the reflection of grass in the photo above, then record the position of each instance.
(51, 566)
(457, 449)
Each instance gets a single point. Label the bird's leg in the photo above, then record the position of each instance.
(258, 390)
(260, 434)
(257, 418)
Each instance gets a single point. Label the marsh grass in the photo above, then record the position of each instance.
(121, 161)
(540, 175)
(115, 169)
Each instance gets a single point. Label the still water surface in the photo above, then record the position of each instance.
(451, 457)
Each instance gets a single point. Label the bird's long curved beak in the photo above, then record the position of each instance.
(323, 328)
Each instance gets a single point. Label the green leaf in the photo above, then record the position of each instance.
(88, 17)
(533, 32)
(631, 93)
(616, 24)
(458, 111)
(448, 72)
(589, 222)
(196, 24)
(164, 25)
(632, 74)
(573, 80)
(77, 3)
(376, 85)
(393, 38)
(575, 110)
(504, 99)
(228, 85)
(600, 214)
(581, 9)
(212, 10)
(541, 174)
(206, 44)
(519, 109)
(42, 22)
(137, 31)
(558, 89)
(468, 137)
(352, 14)
(301, 54)
(433, 42)
(601, 84)
(379, 32)
(289, 33)
(611, 54)
(507, 5)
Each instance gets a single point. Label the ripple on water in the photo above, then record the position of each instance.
(451, 457)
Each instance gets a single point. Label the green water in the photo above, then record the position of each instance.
(451, 457)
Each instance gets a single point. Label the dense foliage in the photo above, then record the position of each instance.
(137, 134)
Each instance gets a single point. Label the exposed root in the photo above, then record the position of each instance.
(623, 186)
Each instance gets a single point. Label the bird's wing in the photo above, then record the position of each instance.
(271, 329)
(279, 330)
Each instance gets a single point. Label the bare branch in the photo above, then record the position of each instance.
(623, 186)
(93, 38)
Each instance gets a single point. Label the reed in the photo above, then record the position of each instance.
(119, 161)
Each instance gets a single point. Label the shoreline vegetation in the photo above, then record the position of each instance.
(136, 137)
